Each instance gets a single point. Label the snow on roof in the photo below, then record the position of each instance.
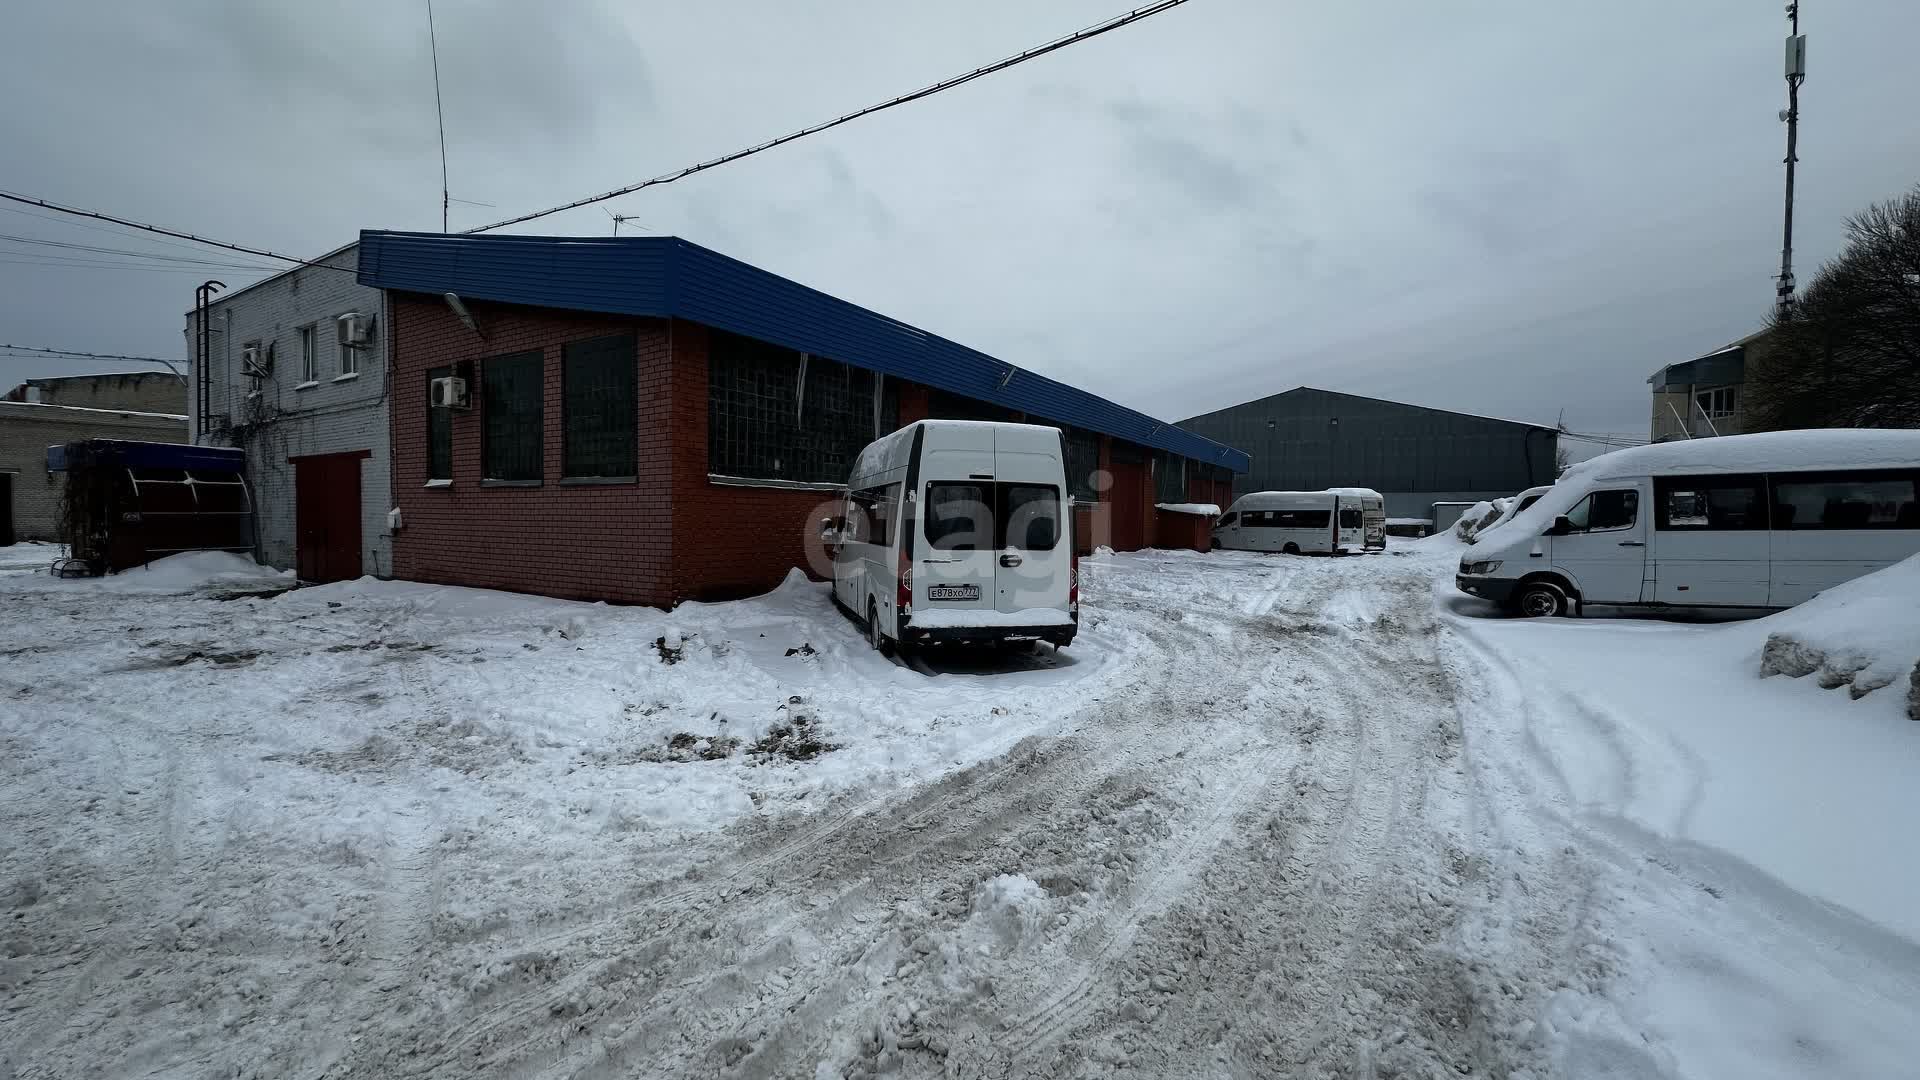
(104, 375)
(84, 409)
(1355, 492)
(1816, 448)
(1203, 509)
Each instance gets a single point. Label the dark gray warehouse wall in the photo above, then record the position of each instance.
(1309, 439)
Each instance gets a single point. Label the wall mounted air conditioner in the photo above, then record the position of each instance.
(355, 329)
(256, 362)
(448, 393)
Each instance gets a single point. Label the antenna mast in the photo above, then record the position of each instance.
(440, 116)
(1796, 70)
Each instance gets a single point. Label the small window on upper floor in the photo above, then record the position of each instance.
(349, 359)
(309, 355)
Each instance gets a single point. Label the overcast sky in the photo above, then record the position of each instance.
(1509, 207)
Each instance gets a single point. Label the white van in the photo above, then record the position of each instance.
(1736, 523)
(958, 531)
(1330, 522)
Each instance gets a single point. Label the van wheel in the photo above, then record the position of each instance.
(1290, 549)
(875, 638)
(1540, 600)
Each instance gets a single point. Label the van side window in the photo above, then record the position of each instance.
(1228, 520)
(1029, 517)
(1720, 503)
(958, 516)
(1863, 500)
(1606, 510)
(1349, 518)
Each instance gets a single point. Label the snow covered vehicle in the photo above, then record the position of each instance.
(1732, 524)
(958, 531)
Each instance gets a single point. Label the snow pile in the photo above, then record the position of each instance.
(1202, 509)
(193, 570)
(1863, 635)
(29, 555)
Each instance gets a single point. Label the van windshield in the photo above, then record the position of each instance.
(975, 516)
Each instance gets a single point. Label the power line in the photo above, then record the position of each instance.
(71, 354)
(153, 255)
(96, 215)
(1036, 52)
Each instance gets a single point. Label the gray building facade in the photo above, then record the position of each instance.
(310, 410)
(1307, 439)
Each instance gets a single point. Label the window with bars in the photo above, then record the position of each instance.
(511, 431)
(597, 407)
(1083, 461)
(1169, 478)
(439, 431)
(771, 418)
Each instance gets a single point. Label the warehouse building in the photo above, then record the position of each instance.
(1307, 439)
(648, 421)
(38, 413)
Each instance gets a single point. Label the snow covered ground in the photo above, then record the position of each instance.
(1267, 816)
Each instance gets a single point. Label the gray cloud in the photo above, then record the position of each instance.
(1510, 207)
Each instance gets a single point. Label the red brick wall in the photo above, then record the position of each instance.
(596, 542)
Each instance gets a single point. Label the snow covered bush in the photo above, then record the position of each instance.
(1863, 635)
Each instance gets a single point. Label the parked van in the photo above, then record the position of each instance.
(1330, 522)
(1737, 523)
(958, 531)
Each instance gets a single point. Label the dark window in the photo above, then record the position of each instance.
(1349, 517)
(766, 422)
(597, 406)
(1723, 503)
(1029, 517)
(872, 514)
(511, 443)
(1083, 461)
(439, 431)
(1606, 510)
(1864, 500)
(1228, 520)
(958, 516)
(1286, 519)
(1169, 478)
(1526, 502)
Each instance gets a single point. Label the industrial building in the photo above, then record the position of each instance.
(641, 419)
(1705, 396)
(1307, 439)
(38, 413)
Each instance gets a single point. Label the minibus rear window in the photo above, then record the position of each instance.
(1029, 516)
(959, 516)
(1350, 519)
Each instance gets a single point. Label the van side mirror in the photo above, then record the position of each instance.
(829, 531)
(1562, 525)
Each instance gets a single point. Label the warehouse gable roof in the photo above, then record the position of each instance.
(1360, 397)
(667, 277)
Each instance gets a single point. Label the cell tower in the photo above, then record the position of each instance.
(1796, 68)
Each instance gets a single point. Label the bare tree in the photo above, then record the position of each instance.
(1848, 352)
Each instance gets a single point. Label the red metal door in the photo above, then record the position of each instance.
(326, 511)
(1129, 497)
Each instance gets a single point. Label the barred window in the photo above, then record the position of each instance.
(1083, 461)
(439, 431)
(597, 407)
(511, 443)
(1169, 478)
(757, 427)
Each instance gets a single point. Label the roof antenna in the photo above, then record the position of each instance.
(440, 116)
(620, 219)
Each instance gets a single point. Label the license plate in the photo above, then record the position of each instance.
(953, 592)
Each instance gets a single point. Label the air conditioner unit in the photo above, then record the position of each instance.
(256, 362)
(355, 329)
(448, 393)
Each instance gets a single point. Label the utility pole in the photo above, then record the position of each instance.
(439, 117)
(1796, 70)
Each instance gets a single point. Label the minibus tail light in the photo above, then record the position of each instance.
(904, 600)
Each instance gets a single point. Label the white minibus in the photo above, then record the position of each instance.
(1732, 524)
(958, 531)
(1330, 522)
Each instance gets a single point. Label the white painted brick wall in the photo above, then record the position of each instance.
(332, 416)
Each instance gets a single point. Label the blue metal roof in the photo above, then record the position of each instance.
(137, 455)
(667, 277)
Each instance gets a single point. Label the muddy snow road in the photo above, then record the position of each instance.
(1257, 822)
